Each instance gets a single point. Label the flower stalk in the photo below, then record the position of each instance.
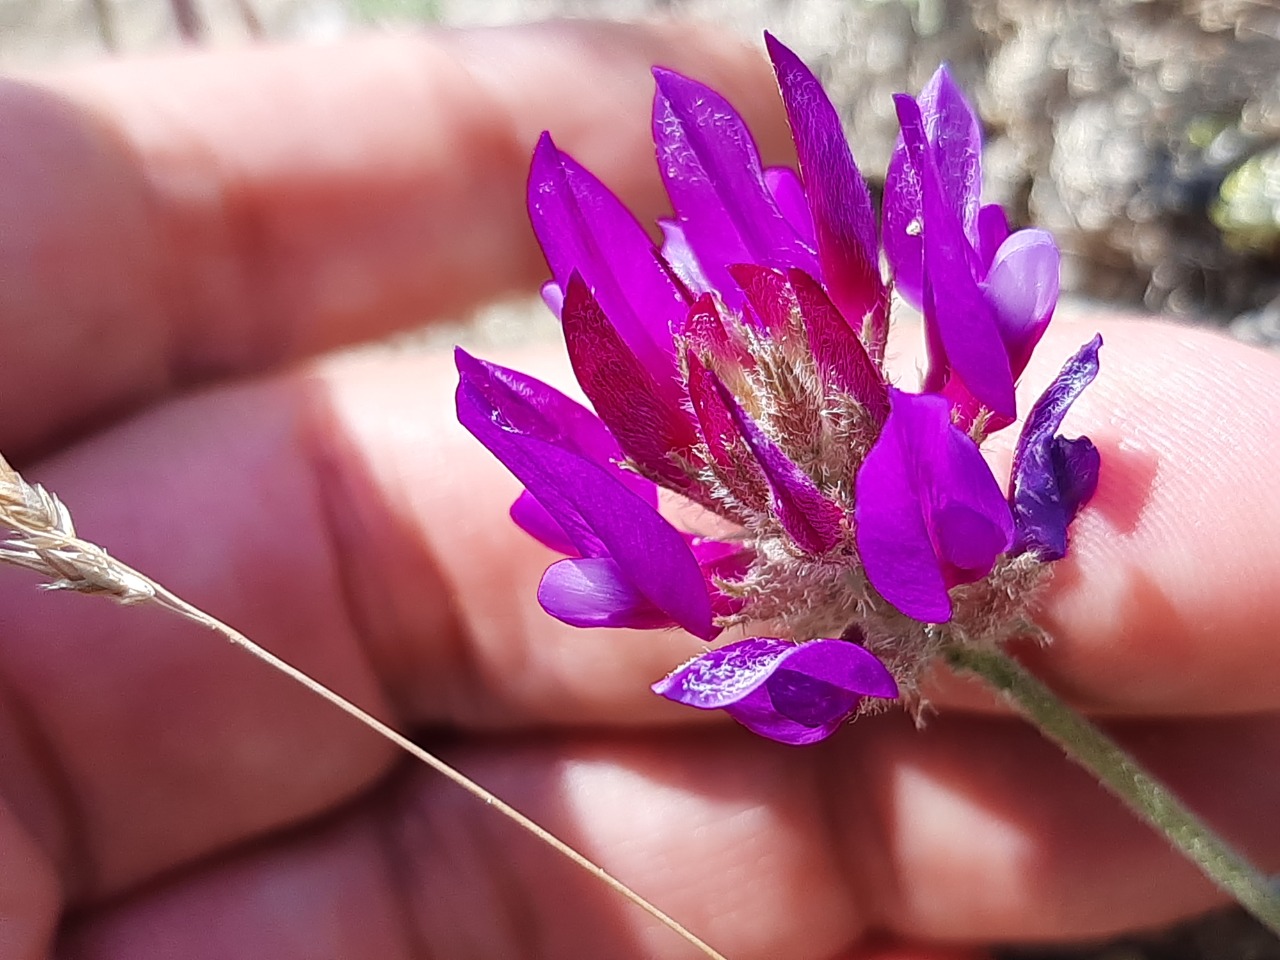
(1122, 774)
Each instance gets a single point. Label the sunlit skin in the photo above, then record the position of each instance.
(182, 237)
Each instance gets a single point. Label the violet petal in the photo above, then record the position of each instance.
(843, 217)
(1022, 286)
(792, 693)
(582, 226)
(712, 171)
(648, 423)
(596, 592)
(812, 520)
(598, 514)
(929, 513)
(1051, 477)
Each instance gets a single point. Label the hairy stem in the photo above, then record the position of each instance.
(1120, 773)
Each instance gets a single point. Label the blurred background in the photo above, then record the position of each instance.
(1144, 133)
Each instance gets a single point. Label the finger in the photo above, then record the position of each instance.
(347, 522)
(971, 832)
(177, 219)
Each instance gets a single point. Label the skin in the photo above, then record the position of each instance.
(183, 237)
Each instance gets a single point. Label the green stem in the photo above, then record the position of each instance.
(1120, 773)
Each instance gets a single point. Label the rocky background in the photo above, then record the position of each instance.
(1144, 133)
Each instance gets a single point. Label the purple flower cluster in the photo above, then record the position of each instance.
(741, 366)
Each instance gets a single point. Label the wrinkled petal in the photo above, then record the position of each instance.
(902, 211)
(597, 592)
(965, 321)
(813, 521)
(929, 513)
(1022, 286)
(1052, 478)
(955, 134)
(789, 692)
(843, 217)
(648, 422)
(712, 172)
(842, 360)
(788, 193)
(951, 136)
(597, 512)
(582, 226)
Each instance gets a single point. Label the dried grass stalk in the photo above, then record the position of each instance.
(43, 539)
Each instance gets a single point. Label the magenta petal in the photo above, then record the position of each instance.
(769, 297)
(788, 193)
(843, 363)
(582, 226)
(792, 693)
(1022, 286)
(596, 592)
(713, 175)
(813, 521)
(929, 513)
(1052, 477)
(677, 252)
(649, 422)
(955, 134)
(843, 217)
(964, 320)
(598, 514)
(993, 230)
(532, 517)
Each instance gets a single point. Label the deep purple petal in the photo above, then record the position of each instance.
(1022, 286)
(792, 693)
(965, 321)
(649, 422)
(1052, 477)
(598, 514)
(582, 226)
(812, 520)
(713, 175)
(955, 134)
(597, 592)
(788, 193)
(842, 361)
(929, 513)
(843, 217)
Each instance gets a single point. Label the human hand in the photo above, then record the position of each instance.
(180, 236)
